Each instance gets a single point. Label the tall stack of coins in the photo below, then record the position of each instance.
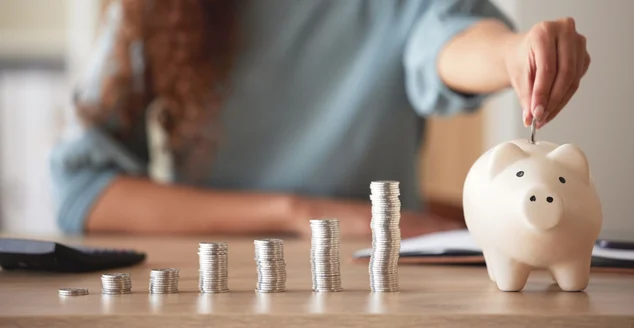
(213, 267)
(116, 283)
(164, 281)
(269, 259)
(324, 255)
(386, 236)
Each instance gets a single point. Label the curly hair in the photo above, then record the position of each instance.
(187, 49)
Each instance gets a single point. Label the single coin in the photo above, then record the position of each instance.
(73, 291)
(533, 125)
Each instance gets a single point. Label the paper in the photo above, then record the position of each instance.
(460, 241)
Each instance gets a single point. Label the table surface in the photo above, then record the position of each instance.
(438, 296)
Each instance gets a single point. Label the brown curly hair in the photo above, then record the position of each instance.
(188, 48)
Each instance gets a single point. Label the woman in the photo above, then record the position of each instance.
(219, 116)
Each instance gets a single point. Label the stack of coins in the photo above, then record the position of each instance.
(164, 281)
(116, 283)
(269, 259)
(213, 261)
(73, 291)
(386, 236)
(324, 255)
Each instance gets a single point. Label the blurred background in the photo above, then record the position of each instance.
(44, 45)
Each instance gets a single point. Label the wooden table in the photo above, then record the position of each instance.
(430, 296)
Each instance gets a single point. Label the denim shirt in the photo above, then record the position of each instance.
(326, 97)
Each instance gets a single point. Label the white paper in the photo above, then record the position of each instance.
(460, 240)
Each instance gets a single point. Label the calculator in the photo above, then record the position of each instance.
(38, 255)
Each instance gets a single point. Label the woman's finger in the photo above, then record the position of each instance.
(566, 68)
(567, 96)
(586, 57)
(543, 47)
(581, 69)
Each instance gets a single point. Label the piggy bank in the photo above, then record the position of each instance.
(533, 206)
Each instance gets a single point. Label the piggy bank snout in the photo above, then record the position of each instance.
(543, 208)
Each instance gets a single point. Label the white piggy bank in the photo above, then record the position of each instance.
(533, 206)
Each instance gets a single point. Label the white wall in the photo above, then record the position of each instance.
(82, 21)
(600, 116)
(503, 109)
(33, 101)
(30, 116)
(32, 28)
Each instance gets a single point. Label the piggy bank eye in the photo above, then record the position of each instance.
(520, 174)
(562, 180)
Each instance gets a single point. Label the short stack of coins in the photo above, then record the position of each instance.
(386, 236)
(116, 283)
(213, 267)
(73, 292)
(324, 255)
(164, 281)
(269, 259)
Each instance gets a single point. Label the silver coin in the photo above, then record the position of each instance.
(270, 265)
(214, 290)
(213, 268)
(213, 244)
(115, 275)
(271, 284)
(116, 283)
(328, 289)
(386, 235)
(72, 291)
(219, 254)
(324, 255)
(115, 292)
(269, 242)
(533, 128)
(164, 281)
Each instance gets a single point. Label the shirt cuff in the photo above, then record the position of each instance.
(85, 189)
(425, 88)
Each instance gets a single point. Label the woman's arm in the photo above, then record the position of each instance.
(137, 205)
(544, 65)
(473, 61)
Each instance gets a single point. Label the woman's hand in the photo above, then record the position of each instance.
(355, 216)
(545, 66)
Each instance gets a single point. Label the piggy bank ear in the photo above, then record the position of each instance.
(572, 158)
(503, 156)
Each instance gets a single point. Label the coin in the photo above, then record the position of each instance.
(164, 281)
(533, 126)
(324, 255)
(213, 261)
(116, 283)
(386, 235)
(270, 265)
(72, 291)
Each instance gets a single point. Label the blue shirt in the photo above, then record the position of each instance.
(326, 97)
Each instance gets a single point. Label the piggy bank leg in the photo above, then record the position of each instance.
(490, 266)
(573, 276)
(510, 275)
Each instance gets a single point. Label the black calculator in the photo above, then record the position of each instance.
(37, 255)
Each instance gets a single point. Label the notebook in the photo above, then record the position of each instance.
(458, 248)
